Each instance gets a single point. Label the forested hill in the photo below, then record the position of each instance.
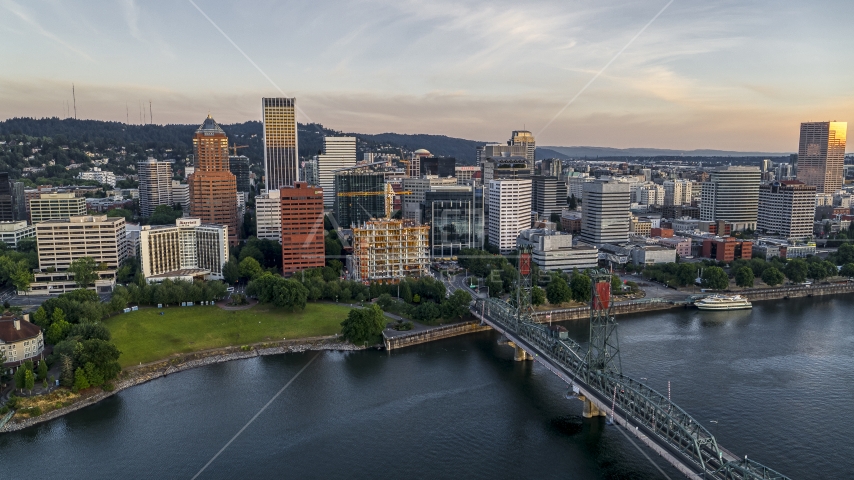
(178, 138)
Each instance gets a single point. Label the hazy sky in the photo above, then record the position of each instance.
(737, 74)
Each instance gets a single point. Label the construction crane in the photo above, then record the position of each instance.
(388, 192)
(234, 147)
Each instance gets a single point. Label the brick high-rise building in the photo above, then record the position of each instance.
(821, 155)
(213, 188)
(302, 227)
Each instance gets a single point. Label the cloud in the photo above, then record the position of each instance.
(19, 12)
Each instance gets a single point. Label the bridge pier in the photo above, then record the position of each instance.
(521, 355)
(590, 409)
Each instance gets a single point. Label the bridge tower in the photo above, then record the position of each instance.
(524, 305)
(603, 352)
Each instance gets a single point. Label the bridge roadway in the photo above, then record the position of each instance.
(646, 414)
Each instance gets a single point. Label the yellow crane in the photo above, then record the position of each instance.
(234, 147)
(388, 192)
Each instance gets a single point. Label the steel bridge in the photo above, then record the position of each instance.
(595, 375)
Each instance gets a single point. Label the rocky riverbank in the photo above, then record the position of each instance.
(143, 373)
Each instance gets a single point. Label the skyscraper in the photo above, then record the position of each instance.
(786, 208)
(338, 153)
(731, 195)
(509, 212)
(302, 227)
(213, 188)
(605, 212)
(525, 138)
(239, 166)
(155, 185)
(281, 146)
(821, 154)
(549, 195)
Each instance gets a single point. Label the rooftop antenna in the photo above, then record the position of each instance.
(150, 117)
(74, 96)
(140, 113)
(127, 114)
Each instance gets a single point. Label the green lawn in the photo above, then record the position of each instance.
(145, 335)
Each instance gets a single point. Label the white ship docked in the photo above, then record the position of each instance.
(723, 302)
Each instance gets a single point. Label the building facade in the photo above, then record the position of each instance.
(678, 192)
(100, 176)
(419, 186)
(360, 196)
(605, 212)
(54, 206)
(509, 212)
(155, 185)
(821, 155)
(338, 153)
(552, 251)
(438, 166)
(238, 165)
(281, 142)
(184, 251)
(268, 216)
(732, 195)
(62, 241)
(455, 217)
(20, 340)
(181, 195)
(213, 188)
(302, 233)
(389, 250)
(786, 208)
(525, 139)
(549, 195)
(13, 232)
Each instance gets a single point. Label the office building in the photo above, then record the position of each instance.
(731, 195)
(678, 192)
(726, 249)
(821, 155)
(414, 167)
(54, 206)
(338, 153)
(302, 227)
(281, 143)
(467, 175)
(553, 251)
(605, 212)
(455, 216)
(647, 194)
(310, 173)
(419, 186)
(360, 196)
(62, 241)
(438, 166)
(525, 139)
(155, 185)
(551, 167)
(787, 209)
(509, 212)
(19, 201)
(187, 250)
(238, 165)
(268, 215)
(549, 195)
(213, 189)
(389, 250)
(181, 195)
(575, 184)
(7, 199)
(13, 232)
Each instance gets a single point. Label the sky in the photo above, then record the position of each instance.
(729, 74)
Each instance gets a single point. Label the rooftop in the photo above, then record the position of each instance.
(10, 334)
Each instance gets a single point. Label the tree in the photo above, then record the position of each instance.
(796, 270)
(250, 268)
(22, 276)
(771, 276)
(616, 285)
(84, 270)
(847, 270)
(231, 271)
(20, 378)
(80, 380)
(744, 277)
(363, 325)
(715, 278)
(29, 379)
(557, 291)
(426, 312)
(66, 376)
(581, 286)
(42, 370)
(58, 328)
(538, 296)
(817, 271)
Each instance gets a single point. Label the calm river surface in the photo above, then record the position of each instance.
(778, 380)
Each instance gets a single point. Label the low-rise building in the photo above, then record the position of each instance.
(552, 251)
(682, 245)
(53, 206)
(100, 176)
(727, 249)
(20, 340)
(570, 221)
(13, 232)
(652, 254)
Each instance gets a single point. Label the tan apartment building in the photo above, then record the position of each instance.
(51, 206)
(62, 241)
(184, 251)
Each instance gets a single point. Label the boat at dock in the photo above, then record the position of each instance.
(723, 302)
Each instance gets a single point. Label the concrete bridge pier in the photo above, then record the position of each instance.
(520, 354)
(590, 409)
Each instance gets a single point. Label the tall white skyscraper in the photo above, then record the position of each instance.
(605, 212)
(281, 145)
(155, 185)
(509, 212)
(338, 152)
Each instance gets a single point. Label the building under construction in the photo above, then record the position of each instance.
(388, 250)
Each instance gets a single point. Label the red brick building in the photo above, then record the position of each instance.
(302, 227)
(727, 249)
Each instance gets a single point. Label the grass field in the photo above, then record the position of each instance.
(145, 335)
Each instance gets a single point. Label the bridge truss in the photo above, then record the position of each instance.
(596, 370)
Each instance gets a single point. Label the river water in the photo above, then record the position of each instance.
(777, 380)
